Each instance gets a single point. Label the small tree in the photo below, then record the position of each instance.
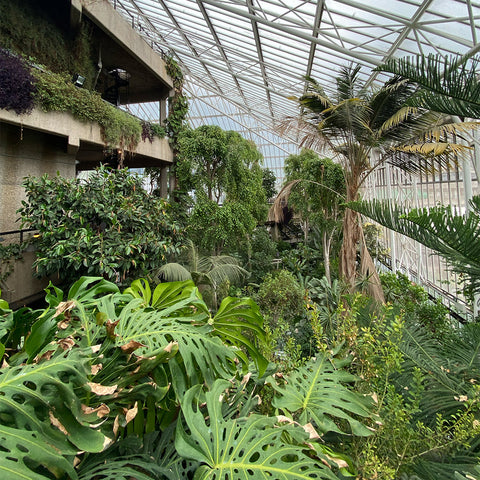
(223, 171)
(315, 189)
(106, 225)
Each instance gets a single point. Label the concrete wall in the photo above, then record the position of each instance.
(26, 152)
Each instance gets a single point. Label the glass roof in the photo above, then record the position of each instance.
(243, 59)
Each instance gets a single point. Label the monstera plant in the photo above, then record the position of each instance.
(147, 383)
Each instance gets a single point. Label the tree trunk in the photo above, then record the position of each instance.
(351, 234)
(348, 252)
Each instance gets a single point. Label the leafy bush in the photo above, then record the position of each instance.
(258, 254)
(414, 301)
(106, 225)
(280, 296)
(17, 85)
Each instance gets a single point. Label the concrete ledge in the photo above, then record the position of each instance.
(75, 131)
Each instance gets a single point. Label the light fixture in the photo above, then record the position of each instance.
(78, 80)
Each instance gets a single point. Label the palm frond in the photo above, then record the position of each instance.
(442, 229)
(447, 85)
(398, 118)
(276, 212)
(173, 272)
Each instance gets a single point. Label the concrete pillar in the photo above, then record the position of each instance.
(162, 111)
(164, 174)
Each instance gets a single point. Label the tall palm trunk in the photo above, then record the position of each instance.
(351, 236)
(348, 252)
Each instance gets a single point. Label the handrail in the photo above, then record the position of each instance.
(14, 232)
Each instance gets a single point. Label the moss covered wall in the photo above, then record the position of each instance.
(41, 30)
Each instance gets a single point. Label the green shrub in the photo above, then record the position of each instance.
(106, 225)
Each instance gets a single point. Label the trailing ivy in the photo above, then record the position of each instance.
(35, 30)
(177, 114)
(56, 92)
(8, 254)
(178, 104)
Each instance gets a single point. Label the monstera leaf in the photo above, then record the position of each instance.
(316, 392)
(201, 356)
(84, 294)
(167, 294)
(235, 317)
(237, 449)
(41, 416)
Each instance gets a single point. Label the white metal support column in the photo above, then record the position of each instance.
(393, 246)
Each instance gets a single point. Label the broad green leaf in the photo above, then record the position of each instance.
(244, 448)
(203, 356)
(22, 451)
(167, 294)
(42, 398)
(236, 316)
(316, 392)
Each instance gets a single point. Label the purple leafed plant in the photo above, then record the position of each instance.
(17, 84)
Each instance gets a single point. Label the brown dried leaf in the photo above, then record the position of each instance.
(338, 461)
(101, 410)
(283, 418)
(56, 423)
(63, 325)
(246, 378)
(96, 368)
(169, 347)
(110, 326)
(46, 356)
(131, 346)
(66, 343)
(64, 307)
(132, 413)
(116, 425)
(313, 435)
(100, 389)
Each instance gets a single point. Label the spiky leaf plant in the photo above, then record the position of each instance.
(447, 84)
(442, 229)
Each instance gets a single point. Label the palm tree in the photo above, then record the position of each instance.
(365, 128)
(448, 85)
(205, 271)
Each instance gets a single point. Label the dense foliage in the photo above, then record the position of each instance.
(147, 384)
(106, 225)
(222, 170)
(317, 198)
(40, 32)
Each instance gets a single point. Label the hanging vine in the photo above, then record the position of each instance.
(177, 114)
(177, 104)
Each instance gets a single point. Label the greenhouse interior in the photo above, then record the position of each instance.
(240, 239)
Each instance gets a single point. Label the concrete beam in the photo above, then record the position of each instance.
(63, 124)
(102, 13)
